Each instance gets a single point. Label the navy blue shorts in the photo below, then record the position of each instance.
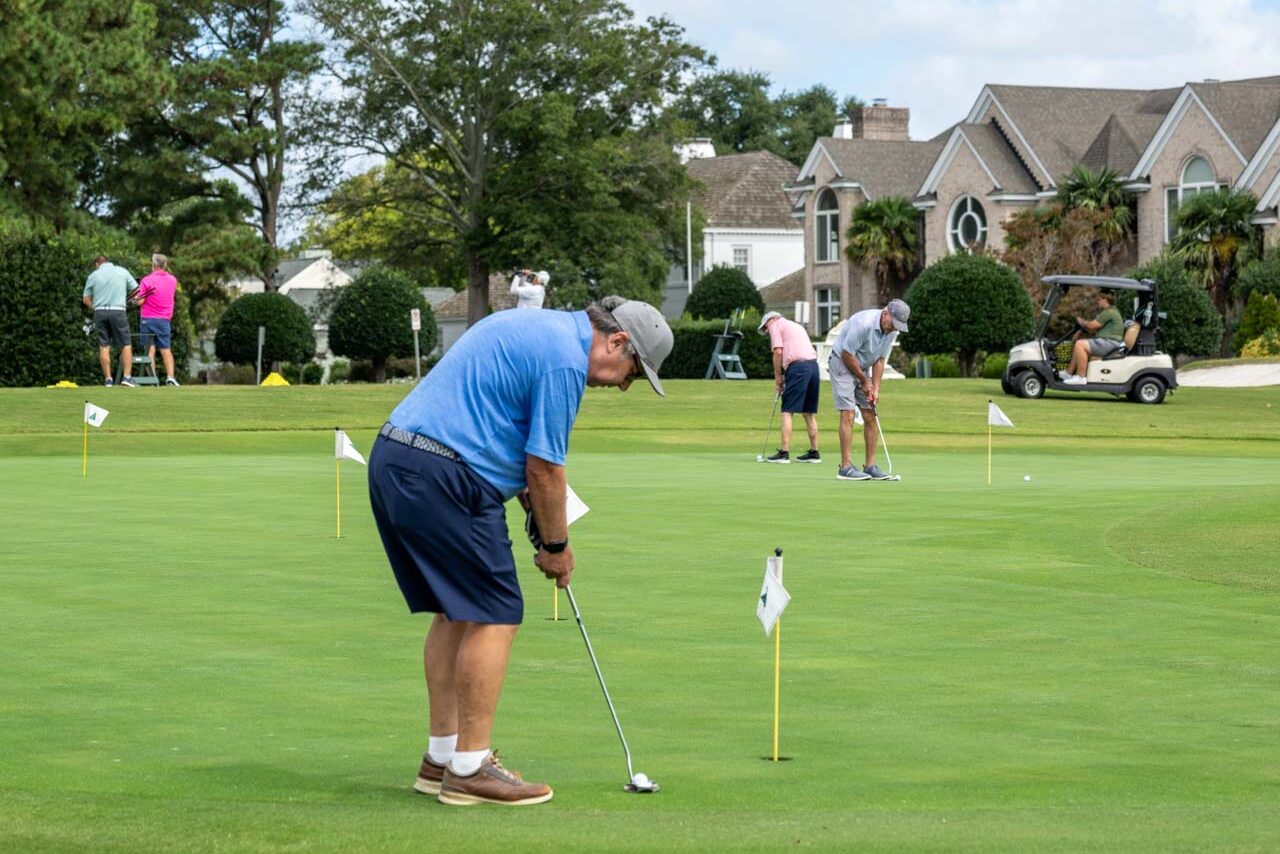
(800, 387)
(155, 330)
(444, 529)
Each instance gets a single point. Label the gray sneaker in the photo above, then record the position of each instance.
(851, 473)
(873, 471)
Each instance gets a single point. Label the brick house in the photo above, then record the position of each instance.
(1011, 151)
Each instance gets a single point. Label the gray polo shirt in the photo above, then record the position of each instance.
(109, 286)
(863, 339)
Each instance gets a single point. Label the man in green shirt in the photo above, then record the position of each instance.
(1108, 336)
(106, 291)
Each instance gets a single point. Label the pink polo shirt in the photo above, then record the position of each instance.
(794, 341)
(156, 291)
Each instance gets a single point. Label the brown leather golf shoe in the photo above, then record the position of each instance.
(430, 776)
(492, 784)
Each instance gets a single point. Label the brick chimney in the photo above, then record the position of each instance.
(880, 121)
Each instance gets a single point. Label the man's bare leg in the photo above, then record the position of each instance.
(167, 357)
(846, 438)
(465, 665)
(811, 425)
(104, 359)
(126, 360)
(786, 431)
(870, 434)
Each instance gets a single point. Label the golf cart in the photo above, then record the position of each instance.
(1135, 370)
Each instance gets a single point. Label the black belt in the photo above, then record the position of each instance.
(418, 441)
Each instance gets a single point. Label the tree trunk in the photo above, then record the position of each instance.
(477, 289)
(379, 369)
(964, 359)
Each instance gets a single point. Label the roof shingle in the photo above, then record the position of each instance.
(744, 190)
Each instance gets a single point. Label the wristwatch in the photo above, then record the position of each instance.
(555, 548)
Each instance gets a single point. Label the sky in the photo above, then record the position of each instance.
(934, 56)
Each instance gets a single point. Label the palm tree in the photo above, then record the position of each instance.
(1215, 237)
(884, 234)
(1100, 191)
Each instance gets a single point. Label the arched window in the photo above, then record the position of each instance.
(1197, 177)
(967, 225)
(828, 228)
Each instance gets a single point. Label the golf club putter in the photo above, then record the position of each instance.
(636, 783)
(887, 458)
(768, 430)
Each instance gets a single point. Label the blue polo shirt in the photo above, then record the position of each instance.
(510, 386)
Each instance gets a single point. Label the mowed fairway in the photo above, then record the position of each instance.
(1086, 661)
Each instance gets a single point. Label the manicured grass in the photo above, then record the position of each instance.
(1085, 661)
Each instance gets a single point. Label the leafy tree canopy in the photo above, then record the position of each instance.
(884, 234)
(1192, 327)
(288, 332)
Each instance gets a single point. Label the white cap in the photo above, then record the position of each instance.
(543, 277)
(769, 315)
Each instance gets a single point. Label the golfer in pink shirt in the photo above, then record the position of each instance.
(156, 294)
(795, 373)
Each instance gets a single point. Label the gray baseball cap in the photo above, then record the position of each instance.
(764, 321)
(899, 313)
(650, 335)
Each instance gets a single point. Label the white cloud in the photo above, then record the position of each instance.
(935, 55)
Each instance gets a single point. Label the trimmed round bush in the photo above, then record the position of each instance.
(965, 303)
(288, 339)
(720, 291)
(1260, 276)
(1193, 326)
(370, 320)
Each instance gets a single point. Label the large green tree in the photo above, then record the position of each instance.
(1192, 326)
(532, 128)
(884, 234)
(1101, 191)
(73, 73)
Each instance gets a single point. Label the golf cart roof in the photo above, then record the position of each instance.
(1099, 282)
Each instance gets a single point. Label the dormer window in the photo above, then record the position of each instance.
(827, 234)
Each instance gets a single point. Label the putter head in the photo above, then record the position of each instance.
(640, 784)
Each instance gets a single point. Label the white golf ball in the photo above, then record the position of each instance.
(759, 458)
(640, 780)
(1026, 477)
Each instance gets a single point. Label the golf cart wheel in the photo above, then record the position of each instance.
(1006, 386)
(1028, 384)
(1148, 390)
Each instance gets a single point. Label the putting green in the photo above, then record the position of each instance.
(1085, 661)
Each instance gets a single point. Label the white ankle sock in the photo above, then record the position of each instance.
(440, 748)
(467, 762)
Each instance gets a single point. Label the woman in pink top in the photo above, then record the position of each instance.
(795, 373)
(155, 294)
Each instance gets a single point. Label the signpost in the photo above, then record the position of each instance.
(415, 320)
(262, 338)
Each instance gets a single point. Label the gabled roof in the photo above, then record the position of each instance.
(500, 297)
(1246, 110)
(1121, 142)
(785, 291)
(1003, 168)
(882, 167)
(1060, 123)
(744, 190)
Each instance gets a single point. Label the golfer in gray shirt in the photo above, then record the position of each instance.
(106, 291)
(856, 366)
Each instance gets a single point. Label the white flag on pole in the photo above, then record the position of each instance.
(344, 450)
(94, 415)
(995, 417)
(574, 507)
(773, 596)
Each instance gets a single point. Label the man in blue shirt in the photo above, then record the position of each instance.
(106, 291)
(491, 420)
(856, 366)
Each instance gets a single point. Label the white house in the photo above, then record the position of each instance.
(748, 219)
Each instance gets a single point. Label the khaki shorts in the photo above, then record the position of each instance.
(846, 392)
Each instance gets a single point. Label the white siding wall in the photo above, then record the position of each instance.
(773, 253)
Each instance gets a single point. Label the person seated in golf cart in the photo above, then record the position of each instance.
(1107, 330)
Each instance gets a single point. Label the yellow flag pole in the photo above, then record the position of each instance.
(777, 670)
(337, 492)
(555, 607)
(84, 453)
(988, 453)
